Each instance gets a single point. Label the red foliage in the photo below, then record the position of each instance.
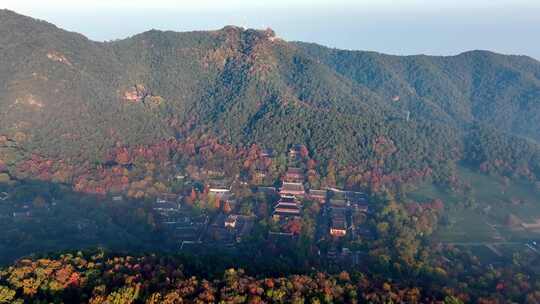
(192, 196)
(74, 279)
(310, 164)
(294, 227)
(122, 157)
(226, 207)
(304, 151)
(437, 204)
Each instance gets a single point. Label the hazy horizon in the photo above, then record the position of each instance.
(406, 27)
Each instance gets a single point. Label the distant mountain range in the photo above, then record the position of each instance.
(63, 95)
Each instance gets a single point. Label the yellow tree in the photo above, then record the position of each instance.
(155, 298)
(125, 295)
(6, 295)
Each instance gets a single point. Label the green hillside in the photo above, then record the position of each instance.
(64, 96)
(502, 91)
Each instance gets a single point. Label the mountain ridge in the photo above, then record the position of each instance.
(10, 13)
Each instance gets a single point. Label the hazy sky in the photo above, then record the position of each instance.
(438, 27)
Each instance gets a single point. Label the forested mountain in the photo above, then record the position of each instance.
(64, 96)
(194, 143)
(502, 91)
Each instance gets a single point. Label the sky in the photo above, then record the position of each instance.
(401, 27)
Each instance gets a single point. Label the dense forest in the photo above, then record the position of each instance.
(102, 277)
(66, 97)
